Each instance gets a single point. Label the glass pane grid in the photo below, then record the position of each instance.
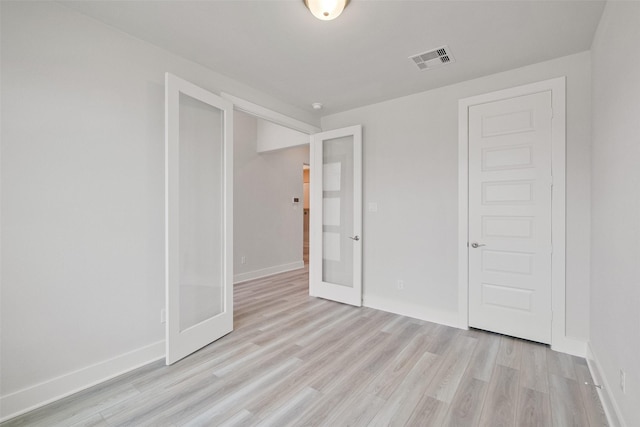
(337, 211)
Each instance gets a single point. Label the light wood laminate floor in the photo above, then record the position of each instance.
(294, 360)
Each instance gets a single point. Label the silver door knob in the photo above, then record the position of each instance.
(356, 238)
(477, 245)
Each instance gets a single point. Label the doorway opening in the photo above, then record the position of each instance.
(269, 149)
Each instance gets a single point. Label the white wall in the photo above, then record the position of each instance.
(615, 266)
(272, 136)
(83, 198)
(410, 170)
(267, 225)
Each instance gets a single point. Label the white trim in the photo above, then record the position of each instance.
(269, 271)
(611, 409)
(572, 346)
(557, 86)
(463, 215)
(30, 398)
(417, 311)
(270, 115)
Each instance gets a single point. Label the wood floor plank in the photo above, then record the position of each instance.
(567, 409)
(561, 364)
(394, 324)
(76, 408)
(202, 412)
(302, 361)
(533, 409)
(94, 421)
(399, 407)
(591, 400)
(387, 382)
(294, 316)
(243, 418)
(314, 367)
(344, 389)
(329, 339)
(360, 414)
(501, 403)
(335, 320)
(370, 368)
(510, 352)
(335, 371)
(290, 411)
(428, 412)
(173, 376)
(534, 367)
(442, 336)
(455, 361)
(149, 405)
(466, 407)
(396, 344)
(281, 391)
(484, 356)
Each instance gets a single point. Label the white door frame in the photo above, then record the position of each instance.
(559, 340)
(270, 115)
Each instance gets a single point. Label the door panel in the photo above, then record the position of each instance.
(201, 181)
(337, 211)
(336, 194)
(510, 216)
(199, 200)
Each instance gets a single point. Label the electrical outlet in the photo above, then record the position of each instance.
(623, 381)
(243, 260)
(163, 315)
(400, 285)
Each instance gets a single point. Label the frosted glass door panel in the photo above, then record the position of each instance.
(201, 201)
(337, 211)
(335, 257)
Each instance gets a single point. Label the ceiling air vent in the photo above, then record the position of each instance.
(433, 59)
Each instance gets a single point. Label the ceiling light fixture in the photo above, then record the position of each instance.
(326, 10)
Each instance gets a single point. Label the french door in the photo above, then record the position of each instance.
(199, 218)
(335, 259)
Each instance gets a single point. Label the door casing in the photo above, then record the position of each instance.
(557, 86)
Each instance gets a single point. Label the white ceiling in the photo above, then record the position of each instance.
(360, 58)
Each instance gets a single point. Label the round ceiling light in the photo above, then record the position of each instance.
(326, 10)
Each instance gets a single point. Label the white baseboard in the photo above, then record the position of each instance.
(611, 409)
(28, 399)
(413, 310)
(270, 271)
(569, 345)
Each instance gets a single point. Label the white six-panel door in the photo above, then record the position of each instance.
(510, 188)
(335, 258)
